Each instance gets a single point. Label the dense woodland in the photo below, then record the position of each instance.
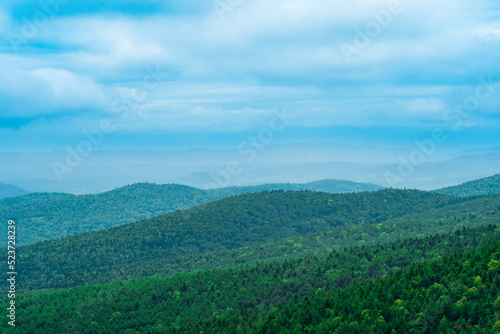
(166, 244)
(459, 293)
(485, 186)
(389, 261)
(234, 296)
(44, 216)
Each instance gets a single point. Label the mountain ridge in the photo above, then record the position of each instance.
(180, 301)
(484, 186)
(235, 222)
(9, 190)
(51, 215)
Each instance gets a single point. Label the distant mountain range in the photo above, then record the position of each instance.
(300, 163)
(327, 186)
(50, 215)
(484, 186)
(8, 190)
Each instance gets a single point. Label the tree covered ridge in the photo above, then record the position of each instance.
(44, 216)
(485, 186)
(234, 295)
(459, 293)
(231, 223)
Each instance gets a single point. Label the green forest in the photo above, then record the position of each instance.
(257, 298)
(297, 261)
(47, 216)
(178, 241)
(249, 167)
(456, 293)
(485, 186)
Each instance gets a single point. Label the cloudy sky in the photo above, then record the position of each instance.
(167, 74)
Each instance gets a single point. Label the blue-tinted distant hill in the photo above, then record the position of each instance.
(43, 216)
(327, 186)
(9, 190)
(485, 186)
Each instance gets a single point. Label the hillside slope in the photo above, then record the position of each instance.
(9, 190)
(231, 223)
(45, 216)
(160, 303)
(484, 186)
(455, 294)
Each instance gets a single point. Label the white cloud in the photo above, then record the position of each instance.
(263, 55)
(46, 91)
(489, 34)
(67, 89)
(260, 39)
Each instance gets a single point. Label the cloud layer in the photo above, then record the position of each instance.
(228, 65)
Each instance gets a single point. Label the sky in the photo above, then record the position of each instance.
(206, 74)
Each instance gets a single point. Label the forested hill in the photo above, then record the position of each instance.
(455, 294)
(226, 224)
(485, 186)
(8, 190)
(222, 299)
(45, 216)
(42, 216)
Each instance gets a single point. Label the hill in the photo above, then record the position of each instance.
(8, 190)
(224, 298)
(181, 241)
(45, 216)
(454, 294)
(328, 186)
(484, 186)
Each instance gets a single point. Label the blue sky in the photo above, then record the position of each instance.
(204, 74)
